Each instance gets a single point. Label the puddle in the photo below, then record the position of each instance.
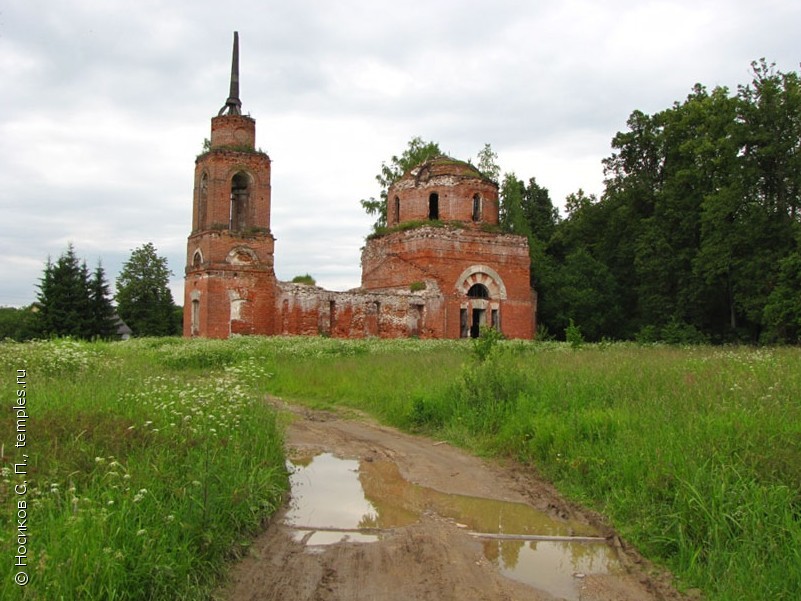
(343, 499)
(553, 566)
(329, 501)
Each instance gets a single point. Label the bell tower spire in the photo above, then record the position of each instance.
(230, 283)
(233, 106)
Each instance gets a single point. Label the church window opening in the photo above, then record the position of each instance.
(197, 259)
(433, 206)
(397, 210)
(476, 207)
(240, 200)
(195, 317)
(478, 291)
(202, 202)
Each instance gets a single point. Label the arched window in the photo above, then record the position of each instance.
(476, 207)
(195, 317)
(397, 210)
(197, 259)
(433, 206)
(240, 201)
(202, 201)
(478, 291)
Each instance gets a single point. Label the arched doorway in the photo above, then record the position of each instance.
(478, 312)
(482, 292)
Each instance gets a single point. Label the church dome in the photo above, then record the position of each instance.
(443, 189)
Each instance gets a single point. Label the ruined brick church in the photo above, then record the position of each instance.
(442, 270)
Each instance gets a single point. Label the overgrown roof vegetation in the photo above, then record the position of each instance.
(304, 279)
(405, 226)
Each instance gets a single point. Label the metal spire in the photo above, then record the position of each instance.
(233, 106)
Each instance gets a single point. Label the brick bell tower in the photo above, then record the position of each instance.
(230, 282)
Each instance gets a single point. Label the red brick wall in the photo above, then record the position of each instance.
(231, 302)
(455, 184)
(308, 310)
(229, 273)
(237, 131)
(442, 256)
(219, 168)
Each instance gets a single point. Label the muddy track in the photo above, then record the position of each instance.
(426, 529)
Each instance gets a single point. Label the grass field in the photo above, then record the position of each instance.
(152, 460)
(693, 453)
(148, 464)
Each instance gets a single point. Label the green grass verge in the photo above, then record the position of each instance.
(693, 453)
(149, 463)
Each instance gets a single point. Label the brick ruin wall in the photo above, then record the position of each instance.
(440, 258)
(310, 310)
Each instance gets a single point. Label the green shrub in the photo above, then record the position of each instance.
(486, 343)
(573, 335)
(306, 279)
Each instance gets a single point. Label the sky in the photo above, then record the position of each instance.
(106, 103)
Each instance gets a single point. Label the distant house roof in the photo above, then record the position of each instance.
(123, 331)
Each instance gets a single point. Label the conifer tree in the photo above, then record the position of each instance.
(64, 307)
(103, 318)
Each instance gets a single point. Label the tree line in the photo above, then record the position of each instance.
(696, 236)
(72, 301)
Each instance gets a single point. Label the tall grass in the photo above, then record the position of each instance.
(693, 453)
(149, 464)
(152, 457)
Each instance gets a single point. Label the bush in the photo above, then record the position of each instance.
(679, 332)
(486, 393)
(573, 335)
(305, 279)
(485, 344)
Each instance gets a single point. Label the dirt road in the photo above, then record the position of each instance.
(381, 515)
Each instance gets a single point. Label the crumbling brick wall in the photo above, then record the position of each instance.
(309, 310)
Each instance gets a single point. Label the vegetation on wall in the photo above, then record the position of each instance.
(416, 152)
(306, 279)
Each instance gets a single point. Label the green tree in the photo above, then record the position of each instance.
(64, 305)
(782, 314)
(577, 201)
(585, 291)
(510, 210)
(102, 314)
(488, 163)
(697, 231)
(538, 211)
(144, 300)
(416, 152)
(18, 324)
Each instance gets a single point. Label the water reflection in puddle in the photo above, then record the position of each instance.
(343, 499)
(555, 567)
